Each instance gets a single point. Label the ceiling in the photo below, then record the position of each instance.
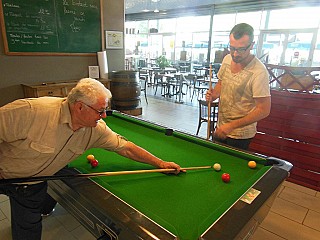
(138, 6)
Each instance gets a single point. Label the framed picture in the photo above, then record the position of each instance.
(114, 40)
(94, 72)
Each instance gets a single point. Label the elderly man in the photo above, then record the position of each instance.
(40, 136)
(243, 91)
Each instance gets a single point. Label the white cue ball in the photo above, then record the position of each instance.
(217, 167)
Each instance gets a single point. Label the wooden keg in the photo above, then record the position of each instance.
(125, 89)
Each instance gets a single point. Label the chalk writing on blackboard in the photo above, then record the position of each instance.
(67, 26)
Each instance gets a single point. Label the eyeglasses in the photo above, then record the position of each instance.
(239, 50)
(101, 112)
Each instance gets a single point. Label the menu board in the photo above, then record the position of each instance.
(51, 26)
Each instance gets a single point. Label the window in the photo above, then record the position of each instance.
(294, 18)
(185, 39)
(193, 24)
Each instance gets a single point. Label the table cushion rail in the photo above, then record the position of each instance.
(292, 132)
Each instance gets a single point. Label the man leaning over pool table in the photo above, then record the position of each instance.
(40, 136)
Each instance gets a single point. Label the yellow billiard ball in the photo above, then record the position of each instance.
(90, 158)
(252, 164)
(217, 167)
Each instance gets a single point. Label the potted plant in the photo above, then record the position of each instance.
(162, 62)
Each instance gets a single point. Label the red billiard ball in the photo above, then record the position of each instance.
(94, 163)
(225, 177)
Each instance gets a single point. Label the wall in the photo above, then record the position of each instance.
(15, 70)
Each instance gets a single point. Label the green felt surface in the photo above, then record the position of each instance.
(185, 204)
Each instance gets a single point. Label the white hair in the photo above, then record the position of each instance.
(88, 90)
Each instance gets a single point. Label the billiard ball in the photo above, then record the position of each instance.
(252, 164)
(90, 158)
(94, 163)
(225, 177)
(217, 167)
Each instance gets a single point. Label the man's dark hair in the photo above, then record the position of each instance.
(242, 29)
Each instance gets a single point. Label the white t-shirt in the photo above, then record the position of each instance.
(238, 92)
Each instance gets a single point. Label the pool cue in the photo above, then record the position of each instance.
(87, 175)
(209, 105)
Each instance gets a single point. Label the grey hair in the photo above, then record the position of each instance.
(88, 91)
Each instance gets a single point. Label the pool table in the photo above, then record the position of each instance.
(192, 205)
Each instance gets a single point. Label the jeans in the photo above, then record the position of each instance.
(26, 202)
(49, 203)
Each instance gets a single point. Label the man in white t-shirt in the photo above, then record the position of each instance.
(243, 91)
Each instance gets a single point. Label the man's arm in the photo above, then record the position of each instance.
(139, 154)
(262, 110)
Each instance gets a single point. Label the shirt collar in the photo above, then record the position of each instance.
(65, 113)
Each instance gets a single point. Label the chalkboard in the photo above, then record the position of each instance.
(51, 26)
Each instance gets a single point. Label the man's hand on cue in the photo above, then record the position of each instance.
(222, 131)
(169, 165)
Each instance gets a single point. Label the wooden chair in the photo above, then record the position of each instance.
(160, 81)
(144, 73)
(203, 114)
(198, 88)
(143, 87)
(189, 80)
(176, 82)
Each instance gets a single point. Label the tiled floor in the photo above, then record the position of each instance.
(295, 214)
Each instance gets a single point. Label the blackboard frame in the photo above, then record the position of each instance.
(8, 51)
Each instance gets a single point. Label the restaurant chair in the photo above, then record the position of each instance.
(160, 81)
(144, 73)
(198, 88)
(189, 78)
(173, 85)
(176, 82)
(203, 114)
(143, 87)
(185, 81)
(182, 83)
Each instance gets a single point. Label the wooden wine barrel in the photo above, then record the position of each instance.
(125, 89)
